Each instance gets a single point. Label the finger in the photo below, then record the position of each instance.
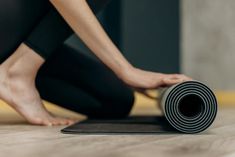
(184, 77)
(172, 81)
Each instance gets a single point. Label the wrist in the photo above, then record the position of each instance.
(125, 72)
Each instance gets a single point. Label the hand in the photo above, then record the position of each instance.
(141, 79)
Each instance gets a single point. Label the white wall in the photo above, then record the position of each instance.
(208, 41)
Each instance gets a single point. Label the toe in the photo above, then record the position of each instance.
(66, 121)
(63, 121)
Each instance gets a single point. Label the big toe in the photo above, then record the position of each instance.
(62, 121)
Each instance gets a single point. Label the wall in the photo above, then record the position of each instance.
(150, 34)
(208, 41)
(147, 31)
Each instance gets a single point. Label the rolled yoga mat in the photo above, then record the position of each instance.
(190, 107)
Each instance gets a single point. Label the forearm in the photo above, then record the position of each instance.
(82, 20)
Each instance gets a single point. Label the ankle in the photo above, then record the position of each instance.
(24, 62)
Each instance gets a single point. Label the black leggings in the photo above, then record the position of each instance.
(68, 78)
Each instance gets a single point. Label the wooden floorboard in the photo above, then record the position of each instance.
(17, 138)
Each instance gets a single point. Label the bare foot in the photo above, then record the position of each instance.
(17, 88)
(24, 98)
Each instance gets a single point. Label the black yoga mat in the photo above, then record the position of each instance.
(133, 124)
(188, 107)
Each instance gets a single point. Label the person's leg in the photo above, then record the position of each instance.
(22, 20)
(53, 30)
(19, 66)
(82, 84)
(18, 71)
(17, 87)
(17, 20)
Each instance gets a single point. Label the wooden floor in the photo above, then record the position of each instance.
(17, 138)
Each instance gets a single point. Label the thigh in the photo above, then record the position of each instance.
(93, 78)
(53, 30)
(17, 18)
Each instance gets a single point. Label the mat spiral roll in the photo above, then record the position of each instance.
(190, 107)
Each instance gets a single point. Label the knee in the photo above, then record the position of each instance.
(121, 106)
